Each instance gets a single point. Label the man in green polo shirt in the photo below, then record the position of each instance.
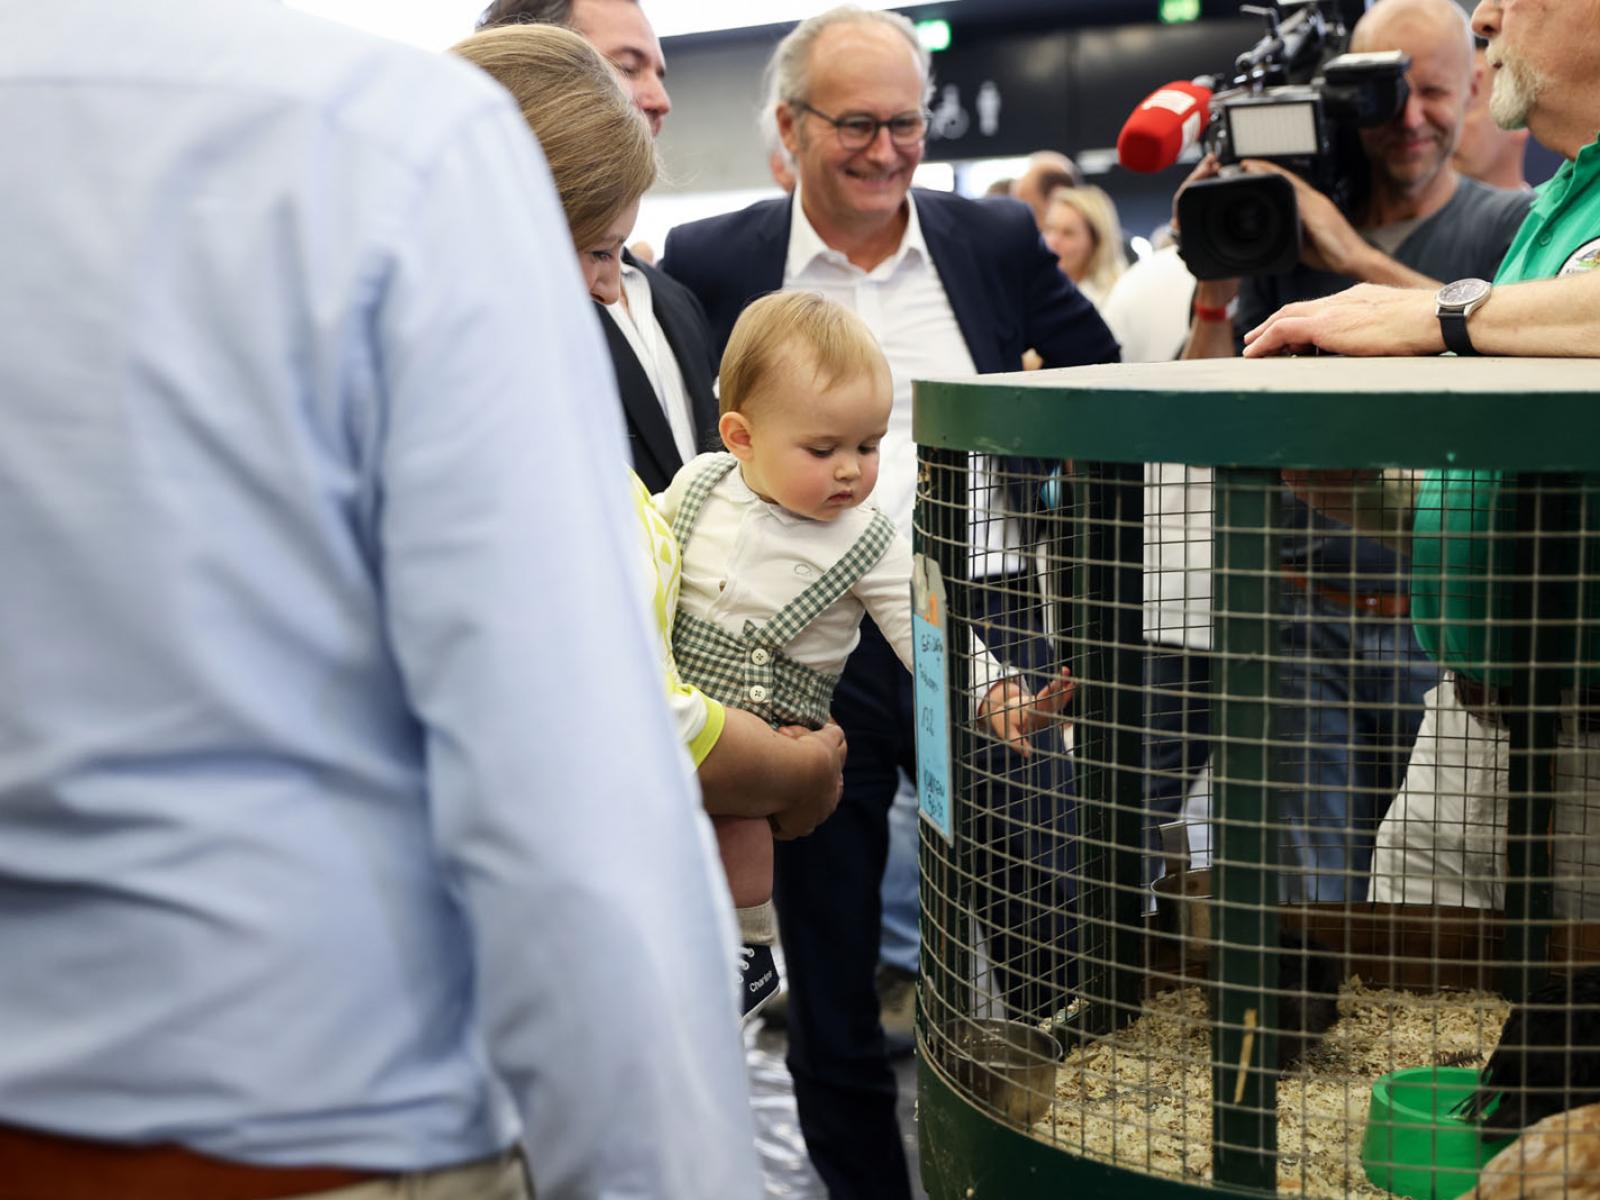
(1442, 841)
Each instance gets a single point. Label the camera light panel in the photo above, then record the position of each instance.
(1275, 130)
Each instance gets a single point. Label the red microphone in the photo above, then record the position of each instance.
(1166, 123)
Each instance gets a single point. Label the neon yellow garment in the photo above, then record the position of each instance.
(1462, 542)
(699, 718)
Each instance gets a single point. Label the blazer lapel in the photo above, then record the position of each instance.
(652, 436)
(976, 311)
(692, 354)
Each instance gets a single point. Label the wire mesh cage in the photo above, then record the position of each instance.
(1303, 894)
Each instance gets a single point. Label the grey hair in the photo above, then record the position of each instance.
(787, 77)
(771, 139)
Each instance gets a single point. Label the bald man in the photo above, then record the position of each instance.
(1047, 170)
(1354, 675)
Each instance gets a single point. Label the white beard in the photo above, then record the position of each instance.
(1517, 87)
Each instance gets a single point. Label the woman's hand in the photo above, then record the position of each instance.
(825, 777)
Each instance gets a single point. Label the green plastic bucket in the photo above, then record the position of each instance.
(1413, 1145)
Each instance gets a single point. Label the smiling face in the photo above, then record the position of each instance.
(620, 31)
(855, 69)
(1409, 153)
(814, 452)
(601, 260)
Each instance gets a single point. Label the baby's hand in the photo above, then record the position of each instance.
(1014, 713)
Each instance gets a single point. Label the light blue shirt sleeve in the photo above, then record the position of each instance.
(342, 819)
(505, 528)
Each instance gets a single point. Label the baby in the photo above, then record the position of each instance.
(782, 558)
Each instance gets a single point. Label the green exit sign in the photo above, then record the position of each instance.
(1176, 12)
(935, 35)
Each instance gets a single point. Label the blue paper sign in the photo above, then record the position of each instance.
(934, 801)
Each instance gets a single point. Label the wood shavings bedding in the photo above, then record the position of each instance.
(1141, 1098)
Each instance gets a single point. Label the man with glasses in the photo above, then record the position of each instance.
(950, 287)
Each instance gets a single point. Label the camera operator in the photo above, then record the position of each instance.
(1354, 676)
(1443, 842)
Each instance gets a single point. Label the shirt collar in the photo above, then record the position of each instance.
(1587, 165)
(806, 245)
(742, 494)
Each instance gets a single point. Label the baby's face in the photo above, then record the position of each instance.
(816, 453)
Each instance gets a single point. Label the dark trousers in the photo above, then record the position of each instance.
(1348, 714)
(826, 890)
(1025, 860)
(827, 895)
(1177, 685)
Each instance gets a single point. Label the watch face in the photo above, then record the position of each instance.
(1462, 293)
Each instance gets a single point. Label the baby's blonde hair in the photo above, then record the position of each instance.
(788, 331)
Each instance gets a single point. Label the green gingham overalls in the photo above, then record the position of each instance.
(752, 672)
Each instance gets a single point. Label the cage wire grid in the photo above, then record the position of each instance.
(1302, 827)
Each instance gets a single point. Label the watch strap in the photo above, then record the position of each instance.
(1453, 325)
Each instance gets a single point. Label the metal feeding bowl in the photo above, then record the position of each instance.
(1183, 908)
(1005, 1065)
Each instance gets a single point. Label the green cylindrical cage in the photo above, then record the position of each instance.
(1226, 929)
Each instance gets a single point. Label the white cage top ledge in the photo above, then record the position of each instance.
(1314, 375)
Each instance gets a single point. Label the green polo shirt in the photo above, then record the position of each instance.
(1462, 543)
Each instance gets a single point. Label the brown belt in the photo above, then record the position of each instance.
(1487, 702)
(1373, 604)
(48, 1166)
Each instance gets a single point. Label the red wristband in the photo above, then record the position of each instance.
(1204, 312)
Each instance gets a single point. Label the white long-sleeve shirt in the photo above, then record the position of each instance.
(746, 558)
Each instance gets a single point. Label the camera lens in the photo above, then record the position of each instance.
(1239, 225)
(1247, 229)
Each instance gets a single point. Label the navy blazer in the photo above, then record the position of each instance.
(655, 454)
(1004, 286)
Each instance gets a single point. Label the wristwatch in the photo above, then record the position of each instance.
(1453, 305)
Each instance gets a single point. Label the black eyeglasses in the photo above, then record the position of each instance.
(857, 131)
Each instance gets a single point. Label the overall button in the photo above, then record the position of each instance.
(760, 657)
(758, 693)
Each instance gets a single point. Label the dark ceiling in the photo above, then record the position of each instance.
(1033, 14)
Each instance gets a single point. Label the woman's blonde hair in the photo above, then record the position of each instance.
(597, 143)
(1108, 262)
(788, 331)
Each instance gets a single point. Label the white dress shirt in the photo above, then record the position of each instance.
(1148, 312)
(902, 300)
(319, 635)
(637, 320)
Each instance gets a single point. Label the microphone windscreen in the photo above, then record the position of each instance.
(1166, 123)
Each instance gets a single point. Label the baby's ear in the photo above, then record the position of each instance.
(735, 430)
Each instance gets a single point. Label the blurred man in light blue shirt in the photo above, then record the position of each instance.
(319, 642)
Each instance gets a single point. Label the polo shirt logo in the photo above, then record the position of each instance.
(1585, 258)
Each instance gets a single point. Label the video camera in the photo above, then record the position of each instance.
(1298, 100)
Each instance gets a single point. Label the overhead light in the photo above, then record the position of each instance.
(934, 35)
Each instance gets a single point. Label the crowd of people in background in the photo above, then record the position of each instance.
(368, 728)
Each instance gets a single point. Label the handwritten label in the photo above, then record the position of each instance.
(929, 651)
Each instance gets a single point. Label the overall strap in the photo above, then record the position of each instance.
(784, 625)
(714, 471)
